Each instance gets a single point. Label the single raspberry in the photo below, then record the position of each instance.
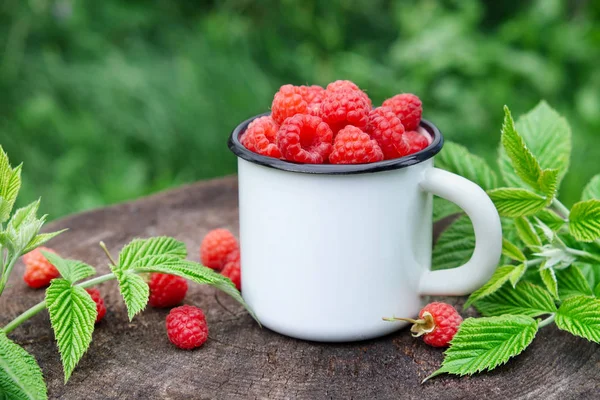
(416, 141)
(260, 137)
(353, 146)
(313, 95)
(215, 247)
(345, 107)
(438, 323)
(100, 307)
(408, 108)
(341, 85)
(305, 139)
(232, 269)
(385, 127)
(287, 103)
(166, 290)
(186, 327)
(38, 270)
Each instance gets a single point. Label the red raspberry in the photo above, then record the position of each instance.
(186, 327)
(408, 108)
(232, 269)
(345, 107)
(385, 127)
(416, 141)
(100, 307)
(313, 95)
(216, 246)
(260, 137)
(353, 146)
(341, 85)
(305, 139)
(287, 103)
(166, 290)
(437, 323)
(38, 271)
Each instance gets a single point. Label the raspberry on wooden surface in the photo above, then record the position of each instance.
(216, 246)
(166, 290)
(187, 327)
(38, 270)
(100, 307)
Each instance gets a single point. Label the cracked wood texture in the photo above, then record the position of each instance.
(130, 360)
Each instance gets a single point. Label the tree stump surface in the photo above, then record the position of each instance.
(130, 360)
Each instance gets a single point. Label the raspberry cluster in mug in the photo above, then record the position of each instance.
(336, 125)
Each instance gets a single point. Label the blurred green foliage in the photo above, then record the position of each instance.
(109, 100)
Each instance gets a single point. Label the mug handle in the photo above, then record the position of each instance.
(488, 236)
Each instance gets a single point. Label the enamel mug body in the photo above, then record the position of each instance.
(327, 251)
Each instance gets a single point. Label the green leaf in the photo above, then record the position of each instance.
(20, 375)
(24, 226)
(525, 299)
(517, 274)
(40, 239)
(500, 277)
(571, 282)
(597, 290)
(548, 137)
(485, 343)
(72, 315)
(442, 208)
(524, 163)
(592, 189)
(455, 245)
(457, 159)
(584, 220)
(9, 191)
(511, 251)
(526, 233)
(71, 270)
(146, 252)
(513, 202)
(549, 182)
(198, 273)
(549, 278)
(580, 315)
(134, 289)
(551, 219)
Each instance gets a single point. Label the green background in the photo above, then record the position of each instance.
(110, 100)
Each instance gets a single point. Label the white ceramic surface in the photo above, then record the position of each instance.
(325, 257)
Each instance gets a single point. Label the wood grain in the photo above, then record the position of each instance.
(130, 360)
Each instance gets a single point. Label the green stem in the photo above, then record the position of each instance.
(560, 208)
(6, 273)
(107, 253)
(581, 253)
(531, 263)
(40, 306)
(547, 321)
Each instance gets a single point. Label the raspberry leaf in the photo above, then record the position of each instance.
(147, 252)
(549, 279)
(20, 375)
(40, 239)
(134, 289)
(580, 315)
(524, 163)
(550, 219)
(442, 208)
(548, 182)
(513, 202)
(455, 245)
(571, 282)
(72, 315)
(511, 251)
(200, 274)
(485, 343)
(592, 189)
(547, 136)
(71, 270)
(517, 274)
(10, 183)
(457, 159)
(526, 233)
(525, 299)
(500, 277)
(584, 220)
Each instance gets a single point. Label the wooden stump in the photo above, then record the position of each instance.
(129, 360)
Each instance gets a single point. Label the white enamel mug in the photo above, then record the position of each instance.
(328, 250)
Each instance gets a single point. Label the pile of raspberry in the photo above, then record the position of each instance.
(336, 125)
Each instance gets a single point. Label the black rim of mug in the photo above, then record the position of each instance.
(335, 169)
